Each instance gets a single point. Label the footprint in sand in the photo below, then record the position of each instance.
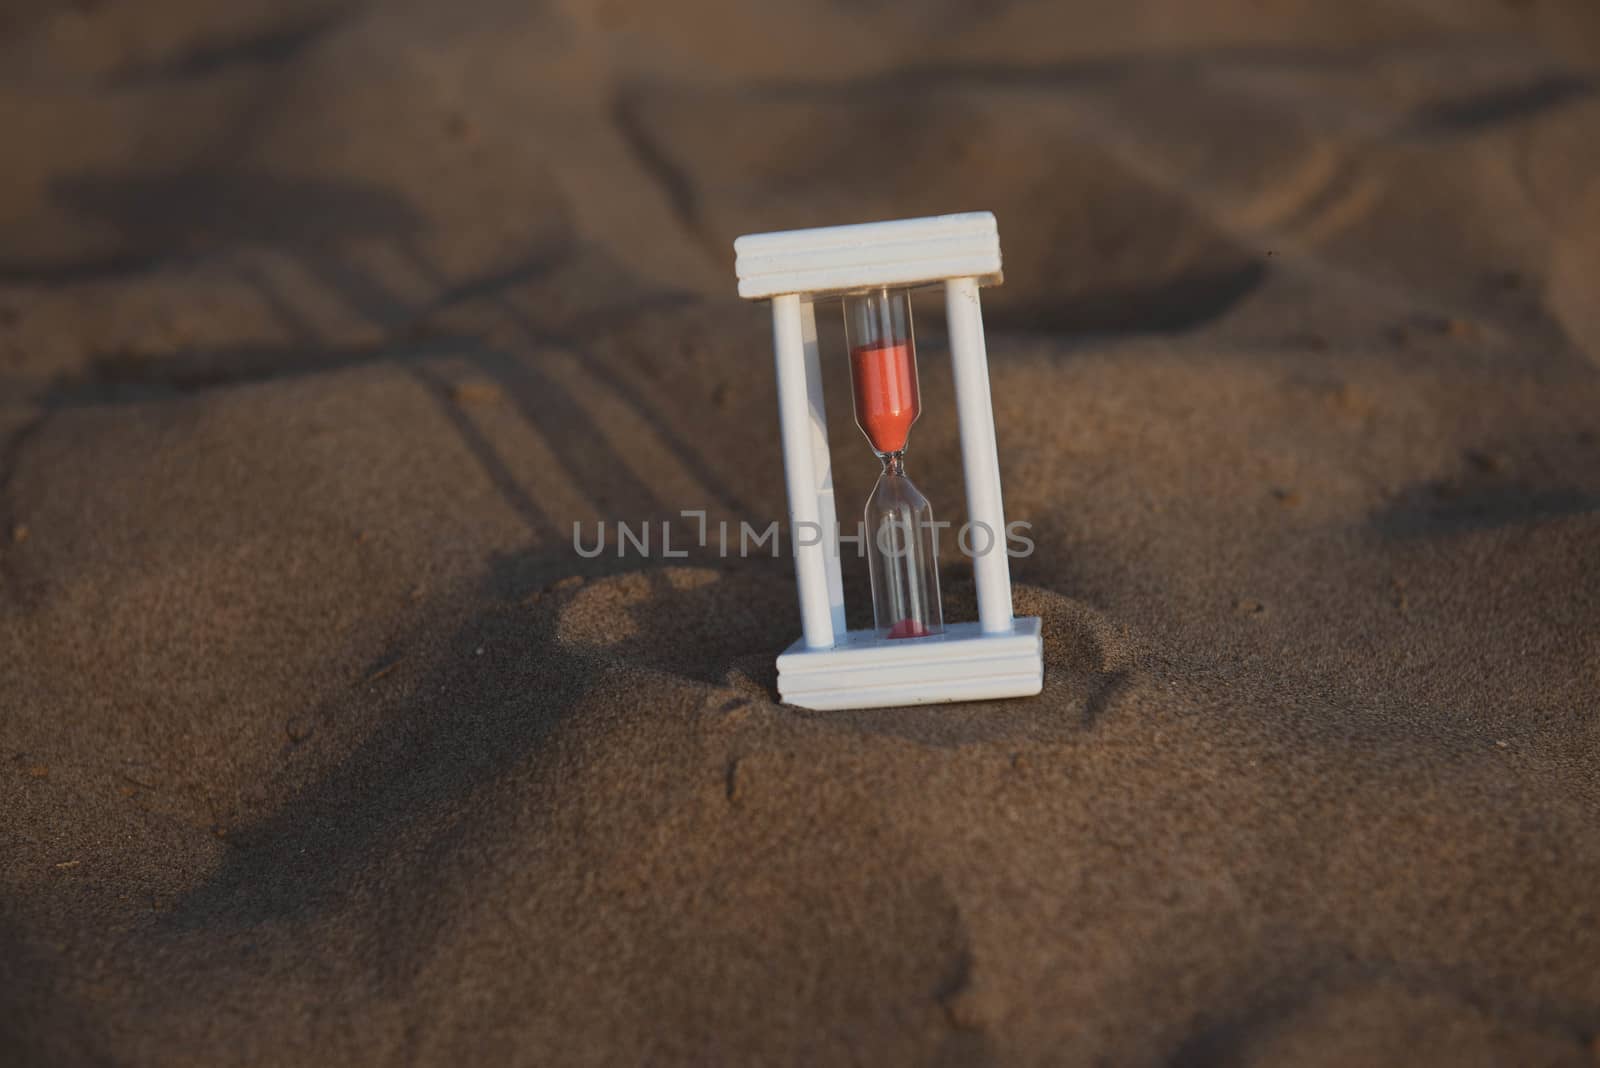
(699, 623)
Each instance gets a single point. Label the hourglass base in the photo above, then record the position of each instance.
(961, 664)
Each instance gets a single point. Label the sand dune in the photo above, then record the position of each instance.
(322, 323)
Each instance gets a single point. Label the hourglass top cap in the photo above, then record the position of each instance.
(829, 260)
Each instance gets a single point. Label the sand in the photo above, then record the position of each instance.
(321, 323)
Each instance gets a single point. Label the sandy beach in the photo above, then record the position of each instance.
(322, 323)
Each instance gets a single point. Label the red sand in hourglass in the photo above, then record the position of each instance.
(887, 402)
(908, 628)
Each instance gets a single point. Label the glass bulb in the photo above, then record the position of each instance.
(902, 556)
(883, 366)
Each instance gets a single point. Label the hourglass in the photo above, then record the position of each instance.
(909, 656)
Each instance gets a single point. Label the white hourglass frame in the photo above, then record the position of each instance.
(831, 667)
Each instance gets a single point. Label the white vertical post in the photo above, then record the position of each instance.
(969, 358)
(794, 419)
(822, 467)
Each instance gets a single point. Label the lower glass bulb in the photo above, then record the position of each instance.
(902, 556)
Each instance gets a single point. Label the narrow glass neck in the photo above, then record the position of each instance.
(894, 463)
